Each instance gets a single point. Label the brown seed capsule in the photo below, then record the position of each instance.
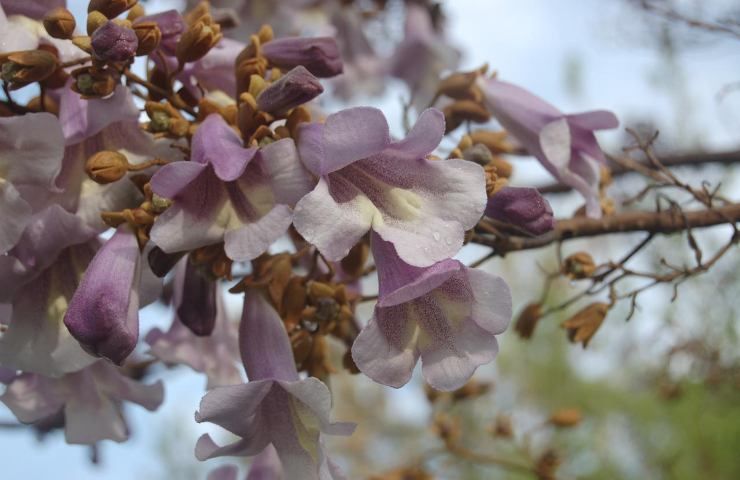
(149, 36)
(584, 324)
(60, 23)
(106, 167)
(23, 68)
(95, 20)
(578, 266)
(528, 320)
(111, 8)
(198, 40)
(566, 417)
(93, 83)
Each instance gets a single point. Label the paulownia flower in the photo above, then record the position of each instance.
(228, 193)
(215, 354)
(447, 314)
(38, 278)
(276, 407)
(91, 400)
(421, 206)
(265, 466)
(103, 314)
(31, 151)
(564, 144)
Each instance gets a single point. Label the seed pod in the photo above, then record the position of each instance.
(106, 167)
(60, 23)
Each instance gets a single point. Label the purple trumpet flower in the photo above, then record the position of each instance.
(448, 315)
(276, 407)
(38, 278)
(91, 399)
(103, 314)
(564, 144)
(367, 182)
(265, 466)
(524, 208)
(228, 193)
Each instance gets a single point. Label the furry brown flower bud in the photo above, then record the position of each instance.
(60, 23)
(149, 36)
(528, 320)
(198, 40)
(111, 8)
(106, 167)
(566, 417)
(584, 324)
(23, 68)
(95, 20)
(578, 266)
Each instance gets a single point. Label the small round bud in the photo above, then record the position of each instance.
(106, 167)
(149, 36)
(137, 11)
(60, 23)
(113, 42)
(95, 20)
(566, 417)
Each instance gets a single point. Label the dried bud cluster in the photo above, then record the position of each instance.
(585, 323)
(578, 266)
(23, 68)
(199, 38)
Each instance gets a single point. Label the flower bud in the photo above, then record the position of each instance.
(495, 141)
(60, 23)
(197, 309)
(95, 20)
(320, 55)
(149, 37)
(583, 325)
(295, 88)
(23, 68)
(578, 266)
(136, 12)
(458, 85)
(198, 40)
(523, 208)
(83, 43)
(566, 417)
(171, 25)
(111, 8)
(462, 110)
(93, 83)
(114, 43)
(106, 167)
(528, 320)
(479, 154)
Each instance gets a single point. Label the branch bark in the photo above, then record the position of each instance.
(689, 159)
(669, 221)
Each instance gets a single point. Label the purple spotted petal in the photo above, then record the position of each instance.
(103, 313)
(27, 158)
(424, 138)
(217, 144)
(15, 212)
(82, 118)
(171, 179)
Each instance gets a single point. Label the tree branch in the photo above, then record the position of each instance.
(689, 159)
(669, 221)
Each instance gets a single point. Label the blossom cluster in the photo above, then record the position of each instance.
(114, 186)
